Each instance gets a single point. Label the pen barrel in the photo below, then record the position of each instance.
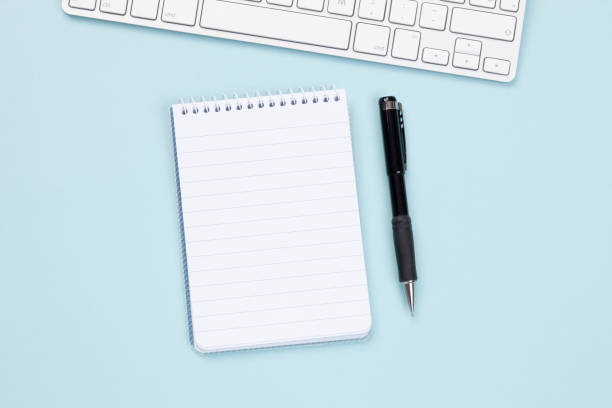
(397, 189)
(392, 140)
(404, 248)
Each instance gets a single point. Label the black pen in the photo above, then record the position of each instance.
(394, 139)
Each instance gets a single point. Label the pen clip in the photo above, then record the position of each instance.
(403, 137)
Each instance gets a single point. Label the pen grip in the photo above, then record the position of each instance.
(404, 248)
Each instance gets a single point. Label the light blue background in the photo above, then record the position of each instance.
(510, 189)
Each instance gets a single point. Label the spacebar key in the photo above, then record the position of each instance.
(276, 24)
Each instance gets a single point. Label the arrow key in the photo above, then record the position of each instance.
(466, 61)
(496, 66)
(434, 56)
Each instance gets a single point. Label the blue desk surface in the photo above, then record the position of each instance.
(510, 189)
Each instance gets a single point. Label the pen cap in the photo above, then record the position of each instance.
(393, 135)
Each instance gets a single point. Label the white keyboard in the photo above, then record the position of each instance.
(476, 38)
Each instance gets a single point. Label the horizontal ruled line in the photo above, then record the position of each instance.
(268, 189)
(284, 323)
(263, 130)
(274, 263)
(275, 233)
(283, 308)
(287, 292)
(274, 279)
(233, 148)
(268, 174)
(267, 204)
(275, 249)
(300, 156)
(270, 219)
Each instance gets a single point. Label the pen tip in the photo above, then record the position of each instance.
(410, 293)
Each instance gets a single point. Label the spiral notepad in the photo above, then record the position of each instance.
(270, 221)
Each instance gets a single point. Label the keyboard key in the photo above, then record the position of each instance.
(277, 24)
(403, 12)
(83, 4)
(286, 3)
(114, 6)
(434, 56)
(342, 7)
(145, 9)
(373, 9)
(371, 39)
(406, 44)
(465, 46)
(483, 24)
(496, 66)
(509, 5)
(483, 3)
(466, 61)
(314, 5)
(180, 11)
(455, 1)
(433, 16)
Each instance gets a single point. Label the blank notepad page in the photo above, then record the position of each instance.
(272, 237)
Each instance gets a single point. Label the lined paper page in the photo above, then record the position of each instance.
(271, 222)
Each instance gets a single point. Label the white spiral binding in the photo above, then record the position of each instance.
(270, 100)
